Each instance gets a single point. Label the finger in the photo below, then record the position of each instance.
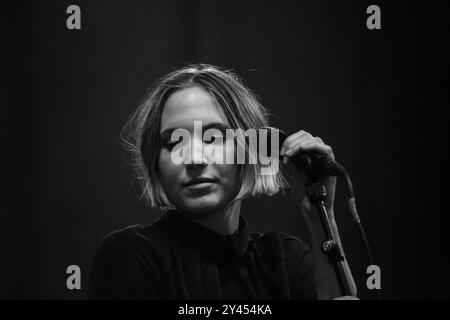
(327, 147)
(294, 140)
(296, 145)
(318, 139)
(313, 146)
(291, 139)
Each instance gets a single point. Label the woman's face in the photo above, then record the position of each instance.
(195, 188)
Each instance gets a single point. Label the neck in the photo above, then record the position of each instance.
(225, 221)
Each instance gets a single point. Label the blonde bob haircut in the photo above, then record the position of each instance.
(141, 134)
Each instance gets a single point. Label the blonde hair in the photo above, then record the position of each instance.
(242, 109)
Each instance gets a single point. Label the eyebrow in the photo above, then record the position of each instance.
(213, 125)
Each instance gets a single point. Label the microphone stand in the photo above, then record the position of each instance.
(316, 193)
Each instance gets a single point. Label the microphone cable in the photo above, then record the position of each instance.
(357, 221)
(314, 163)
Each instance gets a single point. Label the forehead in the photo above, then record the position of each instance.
(191, 104)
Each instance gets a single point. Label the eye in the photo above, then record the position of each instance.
(168, 144)
(219, 136)
(214, 139)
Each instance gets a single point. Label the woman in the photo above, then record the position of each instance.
(201, 248)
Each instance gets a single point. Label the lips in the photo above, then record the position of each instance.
(199, 181)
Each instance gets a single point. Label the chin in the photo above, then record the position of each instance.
(202, 206)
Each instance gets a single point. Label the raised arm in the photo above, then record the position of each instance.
(326, 278)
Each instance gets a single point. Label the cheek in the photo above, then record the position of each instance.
(168, 170)
(230, 174)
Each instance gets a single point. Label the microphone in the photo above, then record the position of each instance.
(314, 163)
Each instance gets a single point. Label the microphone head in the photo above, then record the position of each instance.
(313, 163)
(300, 159)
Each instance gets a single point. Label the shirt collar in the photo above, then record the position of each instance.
(214, 244)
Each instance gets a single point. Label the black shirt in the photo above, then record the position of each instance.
(176, 258)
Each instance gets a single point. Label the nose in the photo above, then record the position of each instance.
(197, 159)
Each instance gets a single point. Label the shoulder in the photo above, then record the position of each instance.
(132, 240)
(129, 263)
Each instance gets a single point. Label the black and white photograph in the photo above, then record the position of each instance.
(211, 151)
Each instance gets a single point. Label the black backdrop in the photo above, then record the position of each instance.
(314, 64)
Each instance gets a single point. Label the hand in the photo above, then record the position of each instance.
(304, 141)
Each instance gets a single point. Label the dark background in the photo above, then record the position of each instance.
(371, 94)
